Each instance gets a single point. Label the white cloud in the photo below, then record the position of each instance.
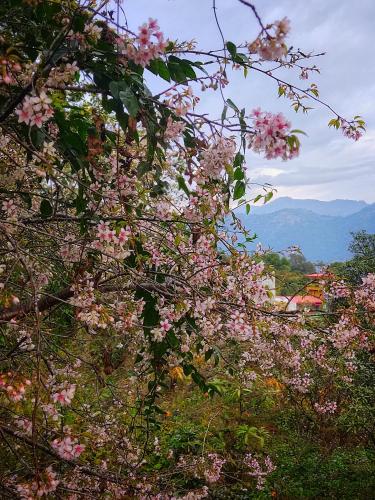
(329, 166)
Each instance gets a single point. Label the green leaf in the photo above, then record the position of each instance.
(153, 66)
(163, 70)
(172, 339)
(71, 141)
(241, 58)
(181, 69)
(182, 185)
(188, 369)
(335, 122)
(80, 203)
(232, 49)
(232, 105)
(158, 67)
(121, 90)
(238, 160)
(297, 131)
(114, 88)
(247, 208)
(78, 23)
(151, 127)
(37, 137)
(208, 354)
(130, 101)
(239, 190)
(224, 113)
(46, 209)
(27, 199)
(188, 70)
(189, 140)
(239, 174)
(268, 196)
(143, 168)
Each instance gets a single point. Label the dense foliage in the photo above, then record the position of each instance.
(290, 272)
(141, 356)
(362, 262)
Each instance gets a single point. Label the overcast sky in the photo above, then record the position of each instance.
(330, 166)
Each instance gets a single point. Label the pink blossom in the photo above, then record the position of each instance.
(327, 407)
(25, 425)
(270, 136)
(68, 448)
(165, 325)
(174, 129)
(45, 483)
(256, 469)
(270, 45)
(24, 115)
(35, 110)
(213, 471)
(123, 235)
(149, 44)
(65, 396)
(215, 158)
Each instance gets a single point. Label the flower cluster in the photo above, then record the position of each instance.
(208, 467)
(216, 157)
(181, 101)
(350, 131)
(70, 251)
(35, 110)
(93, 31)
(149, 44)
(213, 470)
(68, 447)
(218, 80)
(45, 484)
(94, 315)
(25, 341)
(51, 412)
(148, 279)
(111, 243)
(366, 292)
(10, 208)
(344, 333)
(327, 407)
(271, 136)
(62, 74)
(15, 389)
(64, 396)
(256, 469)
(338, 289)
(25, 425)
(174, 129)
(8, 68)
(272, 47)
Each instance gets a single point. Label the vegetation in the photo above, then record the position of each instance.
(140, 353)
(363, 262)
(290, 273)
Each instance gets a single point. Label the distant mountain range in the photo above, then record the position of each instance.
(320, 228)
(334, 207)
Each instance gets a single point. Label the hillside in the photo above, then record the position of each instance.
(320, 237)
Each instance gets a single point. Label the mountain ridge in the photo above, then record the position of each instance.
(321, 237)
(337, 207)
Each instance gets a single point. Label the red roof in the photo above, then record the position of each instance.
(306, 299)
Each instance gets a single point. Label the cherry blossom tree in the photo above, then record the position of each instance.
(119, 246)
